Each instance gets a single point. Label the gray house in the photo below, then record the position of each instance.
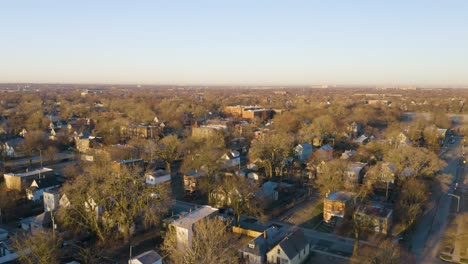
(255, 251)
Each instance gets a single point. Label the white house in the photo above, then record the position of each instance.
(184, 226)
(158, 177)
(39, 186)
(303, 151)
(293, 249)
(51, 199)
(148, 257)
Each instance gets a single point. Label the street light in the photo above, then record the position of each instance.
(458, 200)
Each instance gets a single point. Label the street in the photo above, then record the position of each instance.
(424, 241)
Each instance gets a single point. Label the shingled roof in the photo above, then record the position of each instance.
(293, 243)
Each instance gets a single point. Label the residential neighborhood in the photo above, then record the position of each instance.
(263, 184)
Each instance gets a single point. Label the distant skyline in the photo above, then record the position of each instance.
(418, 43)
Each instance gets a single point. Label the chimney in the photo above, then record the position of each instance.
(265, 234)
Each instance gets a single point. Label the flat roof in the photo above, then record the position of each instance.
(29, 173)
(339, 196)
(196, 215)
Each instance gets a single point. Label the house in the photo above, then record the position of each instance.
(10, 147)
(362, 140)
(184, 226)
(268, 192)
(354, 128)
(152, 130)
(208, 131)
(231, 159)
(325, 153)
(337, 204)
(257, 248)
(303, 151)
(148, 257)
(192, 181)
(136, 164)
(355, 173)
(158, 177)
(6, 254)
(38, 186)
(20, 181)
(293, 249)
(442, 133)
(51, 199)
(347, 154)
(379, 215)
(37, 223)
(64, 201)
(402, 140)
(41, 222)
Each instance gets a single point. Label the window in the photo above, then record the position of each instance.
(278, 251)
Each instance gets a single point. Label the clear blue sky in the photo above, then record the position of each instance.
(405, 42)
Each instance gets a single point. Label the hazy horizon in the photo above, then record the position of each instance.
(242, 43)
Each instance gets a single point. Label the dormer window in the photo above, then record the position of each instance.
(251, 245)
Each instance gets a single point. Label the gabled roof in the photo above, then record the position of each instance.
(292, 244)
(45, 182)
(326, 148)
(263, 243)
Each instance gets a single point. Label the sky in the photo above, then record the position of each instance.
(252, 42)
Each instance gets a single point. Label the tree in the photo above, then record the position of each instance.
(360, 225)
(381, 173)
(418, 161)
(239, 193)
(330, 176)
(431, 139)
(324, 127)
(270, 151)
(40, 247)
(210, 244)
(169, 149)
(411, 201)
(50, 153)
(383, 252)
(33, 141)
(102, 201)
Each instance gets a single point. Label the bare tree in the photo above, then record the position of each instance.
(411, 200)
(169, 149)
(383, 252)
(40, 247)
(270, 151)
(211, 243)
(330, 176)
(102, 201)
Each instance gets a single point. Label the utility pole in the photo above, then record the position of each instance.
(130, 252)
(53, 224)
(40, 155)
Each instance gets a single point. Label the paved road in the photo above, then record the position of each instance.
(37, 160)
(425, 240)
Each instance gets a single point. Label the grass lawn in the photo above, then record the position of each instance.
(311, 216)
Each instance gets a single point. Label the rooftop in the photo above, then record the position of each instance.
(340, 196)
(196, 215)
(375, 209)
(30, 173)
(147, 257)
(293, 243)
(128, 161)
